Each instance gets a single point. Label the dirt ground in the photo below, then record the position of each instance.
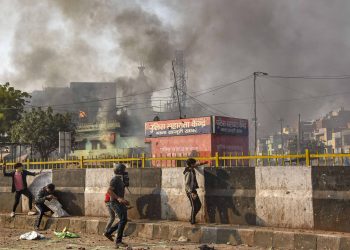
(9, 239)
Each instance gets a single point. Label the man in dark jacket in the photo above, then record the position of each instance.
(118, 204)
(191, 186)
(19, 185)
(46, 193)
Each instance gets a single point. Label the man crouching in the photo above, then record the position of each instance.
(46, 193)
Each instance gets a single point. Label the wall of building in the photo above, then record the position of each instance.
(290, 197)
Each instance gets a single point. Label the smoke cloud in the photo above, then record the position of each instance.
(233, 39)
(56, 42)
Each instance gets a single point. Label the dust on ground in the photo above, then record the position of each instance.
(9, 239)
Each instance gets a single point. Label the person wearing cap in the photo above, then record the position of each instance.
(118, 204)
(19, 186)
(191, 186)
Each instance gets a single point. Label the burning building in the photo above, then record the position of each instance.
(110, 116)
(94, 102)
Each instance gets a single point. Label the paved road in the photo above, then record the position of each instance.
(9, 239)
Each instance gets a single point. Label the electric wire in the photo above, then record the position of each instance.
(210, 90)
(335, 77)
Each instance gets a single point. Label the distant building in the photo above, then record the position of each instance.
(52, 96)
(345, 140)
(94, 110)
(307, 129)
(332, 130)
(263, 146)
(334, 120)
(93, 102)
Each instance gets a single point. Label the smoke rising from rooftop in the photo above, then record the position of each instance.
(56, 42)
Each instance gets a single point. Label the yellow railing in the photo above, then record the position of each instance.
(227, 159)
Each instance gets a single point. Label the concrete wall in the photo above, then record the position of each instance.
(291, 197)
(6, 197)
(70, 186)
(331, 198)
(96, 185)
(284, 197)
(230, 195)
(143, 193)
(174, 202)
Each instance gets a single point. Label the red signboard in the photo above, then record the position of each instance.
(190, 126)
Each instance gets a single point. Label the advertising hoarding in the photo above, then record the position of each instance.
(230, 126)
(189, 126)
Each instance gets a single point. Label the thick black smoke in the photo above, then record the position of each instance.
(232, 39)
(83, 40)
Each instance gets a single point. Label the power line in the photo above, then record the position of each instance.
(105, 99)
(106, 111)
(309, 77)
(212, 89)
(293, 89)
(286, 100)
(207, 106)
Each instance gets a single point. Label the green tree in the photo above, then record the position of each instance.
(40, 128)
(12, 102)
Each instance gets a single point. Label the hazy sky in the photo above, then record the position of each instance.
(52, 43)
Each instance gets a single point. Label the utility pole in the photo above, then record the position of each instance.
(298, 136)
(177, 89)
(256, 74)
(282, 142)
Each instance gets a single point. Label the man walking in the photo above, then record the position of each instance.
(118, 204)
(46, 193)
(191, 186)
(19, 186)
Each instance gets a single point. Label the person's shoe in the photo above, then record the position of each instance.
(31, 213)
(12, 214)
(108, 236)
(121, 244)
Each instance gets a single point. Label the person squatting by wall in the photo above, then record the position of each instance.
(46, 193)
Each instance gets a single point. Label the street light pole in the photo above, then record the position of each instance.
(256, 74)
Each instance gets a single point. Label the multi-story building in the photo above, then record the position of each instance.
(345, 140)
(307, 129)
(332, 130)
